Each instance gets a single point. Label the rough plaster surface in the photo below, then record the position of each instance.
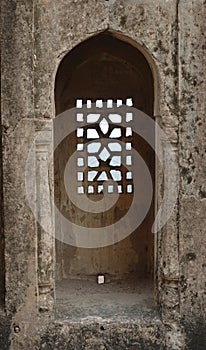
(36, 36)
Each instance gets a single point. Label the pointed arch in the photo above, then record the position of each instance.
(108, 66)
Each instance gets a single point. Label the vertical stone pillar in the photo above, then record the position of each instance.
(45, 239)
(169, 251)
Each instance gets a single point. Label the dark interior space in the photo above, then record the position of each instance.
(102, 68)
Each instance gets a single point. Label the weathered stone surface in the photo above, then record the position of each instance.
(36, 36)
(192, 141)
(96, 334)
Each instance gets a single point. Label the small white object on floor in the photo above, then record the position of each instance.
(100, 279)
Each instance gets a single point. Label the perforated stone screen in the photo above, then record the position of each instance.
(104, 147)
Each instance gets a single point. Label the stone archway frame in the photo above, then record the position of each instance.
(166, 277)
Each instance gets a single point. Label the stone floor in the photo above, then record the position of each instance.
(79, 299)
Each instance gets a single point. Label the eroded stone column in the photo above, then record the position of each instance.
(169, 249)
(45, 240)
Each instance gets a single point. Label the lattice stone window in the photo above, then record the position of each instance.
(104, 147)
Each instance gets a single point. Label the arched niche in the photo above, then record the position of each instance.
(105, 67)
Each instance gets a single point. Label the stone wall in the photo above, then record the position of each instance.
(36, 36)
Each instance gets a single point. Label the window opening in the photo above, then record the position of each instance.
(101, 155)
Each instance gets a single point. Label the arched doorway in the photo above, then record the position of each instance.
(104, 68)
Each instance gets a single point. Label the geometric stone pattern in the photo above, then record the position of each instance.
(104, 149)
